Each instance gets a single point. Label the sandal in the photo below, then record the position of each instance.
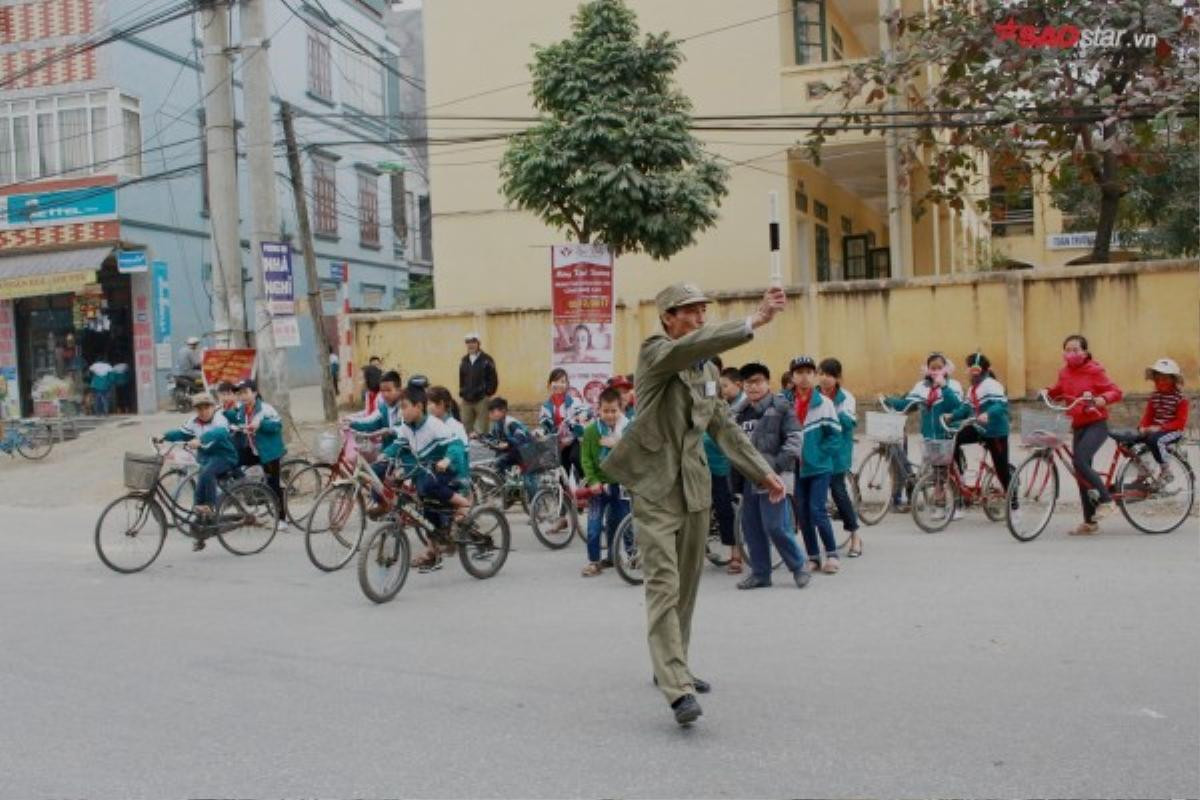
(591, 570)
(1085, 529)
(831, 566)
(854, 552)
(734, 567)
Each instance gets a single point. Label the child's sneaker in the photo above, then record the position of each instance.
(1165, 475)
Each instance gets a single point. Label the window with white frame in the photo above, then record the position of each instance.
(364, 82)
(70, 135)
(324, 182)
(368, 209)
(372, 295)
(320, 62)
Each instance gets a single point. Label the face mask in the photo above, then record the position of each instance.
(1164, 385)
(1074, 359)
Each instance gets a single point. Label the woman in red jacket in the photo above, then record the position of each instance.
(1083, 377)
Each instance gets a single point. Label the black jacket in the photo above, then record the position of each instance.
(479, 380)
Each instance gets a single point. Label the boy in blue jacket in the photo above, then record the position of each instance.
(207, 433)
(822, 430)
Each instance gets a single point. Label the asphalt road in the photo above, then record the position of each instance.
(960, 664)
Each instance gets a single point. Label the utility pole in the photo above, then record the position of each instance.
(229, 313)
(310, 261)
(264, 205)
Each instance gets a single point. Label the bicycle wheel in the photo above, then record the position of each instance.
(247, 518)
(184, 493)
(36, 440)
(714, 550)
(626, 557)
(1032, 495)
(302, 490)
(130, 533)
(486, 486)
(933, 500)
(335, 526)
(874, 484)
(383, 562)
(1152, 505)
(483, 540)
(553, 516)
(993, 497)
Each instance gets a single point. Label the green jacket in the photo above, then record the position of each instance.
(661, 456)
(847, 412)
(986, 397)
(216, 445)
(718, 464)
(268, 439)
(591, 452)
(946, 402)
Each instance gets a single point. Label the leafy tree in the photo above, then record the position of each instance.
(1029, 82)
(1158, 213)
(612, 159)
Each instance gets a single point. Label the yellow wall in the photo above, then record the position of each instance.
(881, 330)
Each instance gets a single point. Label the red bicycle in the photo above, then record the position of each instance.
(1153, 501)
(942, 488)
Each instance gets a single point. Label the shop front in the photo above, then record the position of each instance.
(70, 333)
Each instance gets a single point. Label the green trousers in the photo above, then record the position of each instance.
(671, 543)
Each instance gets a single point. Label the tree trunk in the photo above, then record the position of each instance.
(1110, 202)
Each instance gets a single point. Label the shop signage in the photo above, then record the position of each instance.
(337, 271)
(88, 204)
(54, 283)
(129, 261)
(286, 330)
(277, 276)
(162, 303)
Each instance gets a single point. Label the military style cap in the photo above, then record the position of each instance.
(679, 294)
(203, 399)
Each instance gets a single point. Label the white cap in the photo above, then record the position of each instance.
(193, 340)
(472, 335)
(1165, 366)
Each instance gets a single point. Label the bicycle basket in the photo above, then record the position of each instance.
(539, 456)
(141, 471)
(885, 427)
(326, 448)
(1044, 428)
(938, 452)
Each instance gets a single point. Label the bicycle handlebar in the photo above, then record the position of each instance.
(972, 421)
(888, 409)
(1044, 396)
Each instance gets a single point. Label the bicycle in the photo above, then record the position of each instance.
(482, 539)
(131, 530)
(876, 477)
(505, 488)
(941, 487)
(1151, 504)
(552, 511)
(33, 440)
(334, 528)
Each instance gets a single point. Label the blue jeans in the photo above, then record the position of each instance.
(100, 403)
(811, 493)
(763, 523)
(206, 482)
(841, 499)
(605, 512)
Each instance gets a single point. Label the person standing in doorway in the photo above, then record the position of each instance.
(477, 384)
(660, 460)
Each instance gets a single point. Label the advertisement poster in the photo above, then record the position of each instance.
(162, 304)
(226, 365)
(277, 278)
(582, 339)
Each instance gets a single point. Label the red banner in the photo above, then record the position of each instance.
(227, 365)
(581, 288)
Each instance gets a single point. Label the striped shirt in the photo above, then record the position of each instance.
(1168, 410)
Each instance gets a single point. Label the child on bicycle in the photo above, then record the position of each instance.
(1166, 413)
(987, 403)
(606, 507)
(207, 433)
(443, 406)
(564, 415)
(829, 377)
(263, 429)
(510, 435)
(436, 460)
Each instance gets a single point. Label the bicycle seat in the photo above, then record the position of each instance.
(1124, 437)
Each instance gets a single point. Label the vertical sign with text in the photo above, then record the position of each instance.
(583, 339)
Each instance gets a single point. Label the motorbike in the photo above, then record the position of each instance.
(182, 387)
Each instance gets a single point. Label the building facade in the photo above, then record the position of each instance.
(102, 152)
(848, 219)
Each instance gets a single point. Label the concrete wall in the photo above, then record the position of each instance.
(881, 330)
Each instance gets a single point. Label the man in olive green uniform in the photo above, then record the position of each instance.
(660, 460)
